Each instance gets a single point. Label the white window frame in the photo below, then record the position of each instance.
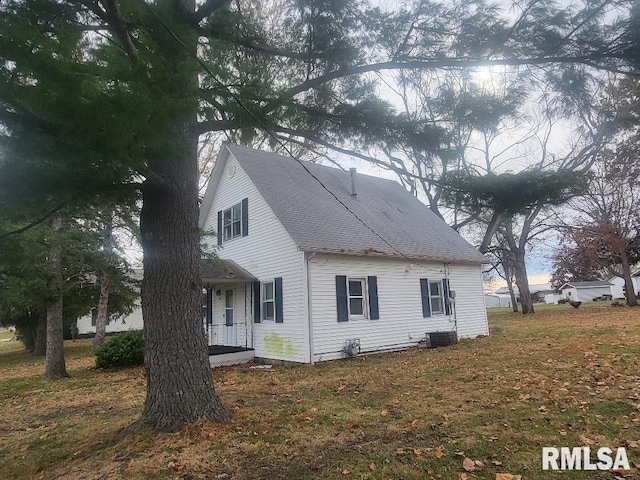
(266, 301)
(363, 297)
(439, 296)
(229, 221)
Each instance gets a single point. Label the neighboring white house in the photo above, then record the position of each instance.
(497, 300)
(87, 324)
(585, 291)
(538, 292)
(617, 284)
(330, 262)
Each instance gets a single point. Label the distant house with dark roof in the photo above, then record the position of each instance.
(585, 291)
(332, 262)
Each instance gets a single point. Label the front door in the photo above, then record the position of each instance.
(229, 328)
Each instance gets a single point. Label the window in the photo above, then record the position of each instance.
(435, 294)
(233, 222)
(232, 219)
(357, 298)
(267, 301)
(357, 305)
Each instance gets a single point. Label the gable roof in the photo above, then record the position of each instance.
(591, 284)
(318, 222)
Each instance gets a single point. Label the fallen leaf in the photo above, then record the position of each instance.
(345, 472)
(417, 452)
(384, 413)
(468, 464)
(372, 467)
(585, 440)
(463, 476)
(507, 476)
(440, 452)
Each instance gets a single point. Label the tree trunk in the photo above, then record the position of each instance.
(520, 271)
(630, 292)
(54, 359)
(179, 382)
(103, 300)
(512, 294)
(40, 340)
(101, 317)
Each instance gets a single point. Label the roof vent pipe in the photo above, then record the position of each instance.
(352, 171)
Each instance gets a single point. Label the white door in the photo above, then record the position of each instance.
(229, 321)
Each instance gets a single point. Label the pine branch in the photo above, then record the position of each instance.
(434, 64)
(207, 9)
(35, 223)
(120, 29)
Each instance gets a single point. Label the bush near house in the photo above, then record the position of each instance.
(123, 350)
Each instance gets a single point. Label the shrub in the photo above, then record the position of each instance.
(123, 350)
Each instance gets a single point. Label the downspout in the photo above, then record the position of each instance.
(309, 305)
(452, 305)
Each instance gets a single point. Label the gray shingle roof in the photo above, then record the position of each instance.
(318, 222)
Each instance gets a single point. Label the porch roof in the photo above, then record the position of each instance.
(218, 270)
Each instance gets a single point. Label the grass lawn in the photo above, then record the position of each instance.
(564, 377)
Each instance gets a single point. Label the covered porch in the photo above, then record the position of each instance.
(227, 311)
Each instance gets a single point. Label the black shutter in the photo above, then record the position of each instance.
(424, 291)
(257, 303)
(341, 298)
(209, 306)
(245, 217)
(445, 294)
(219, 233)
(372, 283)
(277, 286)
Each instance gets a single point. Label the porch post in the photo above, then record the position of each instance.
(209, 306)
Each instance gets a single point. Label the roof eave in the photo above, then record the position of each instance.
(370, 252)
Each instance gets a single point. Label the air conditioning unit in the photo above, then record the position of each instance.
(441, 339)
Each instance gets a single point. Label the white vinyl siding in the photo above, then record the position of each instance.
(401, 323)
(585, 294)
(267, 252)
(132, 321)
(469, 306)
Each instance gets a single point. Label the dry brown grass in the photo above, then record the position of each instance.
(564, 377)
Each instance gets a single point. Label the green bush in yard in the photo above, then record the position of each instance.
(123, 350)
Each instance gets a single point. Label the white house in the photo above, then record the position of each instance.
(87, 324)
(617, 284)
(585, 291)
(326, 262)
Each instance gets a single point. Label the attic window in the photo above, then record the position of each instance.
(233, 222)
